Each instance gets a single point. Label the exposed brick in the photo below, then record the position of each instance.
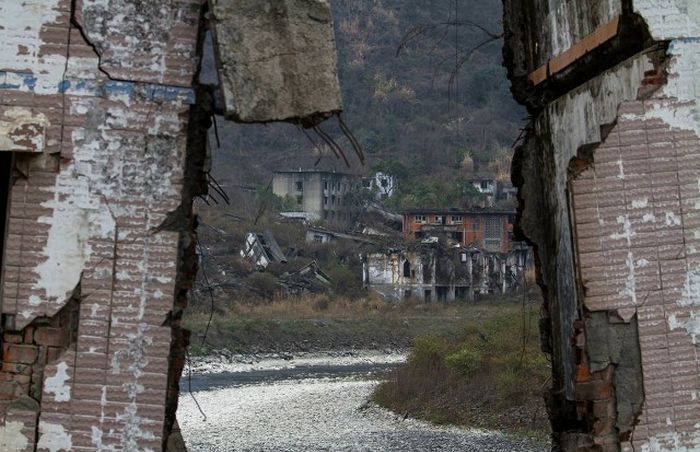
(20, 354)
(52, 337)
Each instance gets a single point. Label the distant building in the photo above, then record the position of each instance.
(436, 273)
(382, 184)
(486, 185)
(320, 194)
(320, 235)
(484, 229)
(507, 192)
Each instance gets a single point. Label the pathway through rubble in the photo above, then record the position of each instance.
(310, 405)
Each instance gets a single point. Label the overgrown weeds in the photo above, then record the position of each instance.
(492, 375)
(325, 322)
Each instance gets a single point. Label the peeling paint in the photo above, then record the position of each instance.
(57, 384)
(673, 442)
(691, 326)
(54, 438)
(11, 436)
(24, 27)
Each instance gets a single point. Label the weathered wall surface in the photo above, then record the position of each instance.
(100, 105)
(611, 157)
(278, 59)
(451, 273)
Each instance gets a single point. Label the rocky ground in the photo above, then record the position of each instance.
(313, 403)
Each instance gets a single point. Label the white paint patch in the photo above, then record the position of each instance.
(649, 218)
(670, 19)
(21, 24)
(54, 438)
(630, 289)
(691, 326)
(96, 437)
(673, 442)
(66, 250)
(627, 231)
(640, 203)
(691, 290)
(12, 438)
(672, 219)
(642, 263)
(57, 384)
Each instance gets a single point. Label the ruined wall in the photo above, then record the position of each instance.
(453, 273)
(97, 108)
(608, 181)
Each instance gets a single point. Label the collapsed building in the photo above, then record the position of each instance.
(103, 129)
(608, 177)
(434, 272)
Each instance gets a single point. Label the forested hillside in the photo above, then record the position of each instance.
(401, 105)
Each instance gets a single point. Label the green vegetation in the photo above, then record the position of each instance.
(400, 107)
(437, 194)
(491, 375)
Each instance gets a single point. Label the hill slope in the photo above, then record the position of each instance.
(400, 107)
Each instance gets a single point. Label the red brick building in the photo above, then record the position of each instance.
(485, 229)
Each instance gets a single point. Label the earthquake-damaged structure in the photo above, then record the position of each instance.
(491, 230)
(319, 194)
(434, 272)
(308, 278)
(609, 176)
(103, 129)
(262, 249)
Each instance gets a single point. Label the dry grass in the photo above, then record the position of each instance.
(324, 322)
(337, 307)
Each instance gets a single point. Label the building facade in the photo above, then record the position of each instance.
(488, 230)
(434, 273)
(321, 194)
(608, 176)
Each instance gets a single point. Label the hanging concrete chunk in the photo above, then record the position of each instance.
(277, 60)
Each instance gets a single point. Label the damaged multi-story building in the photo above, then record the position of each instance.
(435, 272)
(609, 189)
(103, 129)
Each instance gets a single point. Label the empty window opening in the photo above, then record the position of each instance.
(442, 293)
(461, 292)
(427, 294)
(407, 293)
(406, 269)
(5, 183)
(300, 186)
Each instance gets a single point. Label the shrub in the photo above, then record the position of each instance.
(466, 361)
(427, 351)
(264, 284)
(484, 378)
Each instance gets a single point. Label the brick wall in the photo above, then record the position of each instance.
(637, 233)
(608, 179)
(90, 273)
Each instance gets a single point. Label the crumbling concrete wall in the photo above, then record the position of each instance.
(430, 272)
(278, 60)
(608, 180)
(97, 96)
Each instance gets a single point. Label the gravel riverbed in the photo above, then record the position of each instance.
(317, 404)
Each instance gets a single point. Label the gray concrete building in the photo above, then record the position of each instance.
(321, 194)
